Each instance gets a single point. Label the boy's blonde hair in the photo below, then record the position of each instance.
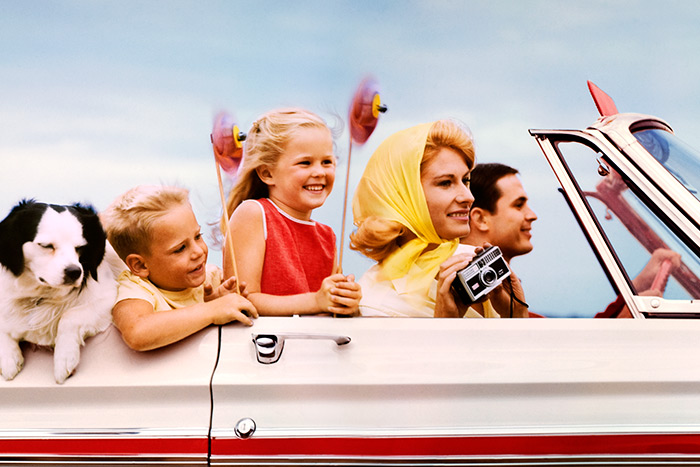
(128, 221)
(266, 141)
(378, 237)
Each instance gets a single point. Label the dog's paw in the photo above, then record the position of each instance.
(64, 363)
(11, 363)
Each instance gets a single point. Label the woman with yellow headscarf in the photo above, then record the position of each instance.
(411, 207)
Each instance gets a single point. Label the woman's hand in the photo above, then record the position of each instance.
(509, 294)
(446, 306)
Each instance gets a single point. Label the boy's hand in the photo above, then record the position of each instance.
(339, 294)
(226, 287)
(232, 307)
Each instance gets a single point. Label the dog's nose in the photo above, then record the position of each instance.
(72, 273)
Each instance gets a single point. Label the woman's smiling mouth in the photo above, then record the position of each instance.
(461, 215)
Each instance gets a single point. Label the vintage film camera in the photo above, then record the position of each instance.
(486, 271)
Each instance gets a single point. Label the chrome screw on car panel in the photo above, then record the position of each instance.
(245, 428)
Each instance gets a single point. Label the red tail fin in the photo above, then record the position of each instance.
(606, 106)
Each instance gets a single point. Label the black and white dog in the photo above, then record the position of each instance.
(55, 288)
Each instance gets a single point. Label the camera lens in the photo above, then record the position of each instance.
(488, 276)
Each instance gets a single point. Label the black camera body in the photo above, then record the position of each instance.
(486, 271)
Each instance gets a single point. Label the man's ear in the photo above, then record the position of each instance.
(265, 174)
(137, 265)
(479, 219)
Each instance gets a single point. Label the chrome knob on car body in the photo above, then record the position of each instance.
(245, 428)
(268, 347)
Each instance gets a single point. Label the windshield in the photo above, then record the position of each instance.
(677, 157)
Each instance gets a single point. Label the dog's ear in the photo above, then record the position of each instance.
(16, 229)
(94, 235)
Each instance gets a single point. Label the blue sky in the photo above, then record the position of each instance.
(100, 96)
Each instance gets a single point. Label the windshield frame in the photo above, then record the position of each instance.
(646, 171)
(618, 147)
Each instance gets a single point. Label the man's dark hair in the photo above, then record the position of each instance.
(483, 184)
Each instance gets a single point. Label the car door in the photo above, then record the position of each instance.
(121, 407)
(445, 391)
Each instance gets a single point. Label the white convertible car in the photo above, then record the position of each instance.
(383, 391)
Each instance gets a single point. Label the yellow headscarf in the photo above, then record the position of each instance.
(391, 188)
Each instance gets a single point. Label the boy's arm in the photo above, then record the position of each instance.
(142, 328)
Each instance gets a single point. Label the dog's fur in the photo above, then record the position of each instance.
(51, 258)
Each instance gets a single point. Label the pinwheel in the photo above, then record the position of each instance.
(227, 141)
(365, 108)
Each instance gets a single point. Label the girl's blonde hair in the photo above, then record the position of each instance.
(377, 237)
(266, 141)
(129, 220)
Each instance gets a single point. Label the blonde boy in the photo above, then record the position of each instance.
(168, 291)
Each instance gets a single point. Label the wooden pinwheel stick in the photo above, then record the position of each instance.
(226, 141)
(345, 208)
(228, 241)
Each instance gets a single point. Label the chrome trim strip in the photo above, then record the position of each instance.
(102, 460)
(458, 461)
(136, 433)
(358, 461)
(92, 457)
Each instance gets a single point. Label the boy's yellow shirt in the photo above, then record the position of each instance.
(132, 286)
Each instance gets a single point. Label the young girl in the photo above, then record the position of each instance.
(287, 260)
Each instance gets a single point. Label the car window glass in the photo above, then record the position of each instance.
(633, 228)
(584, 281)
(678, 158)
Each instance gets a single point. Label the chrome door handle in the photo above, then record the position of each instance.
(268, 347)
